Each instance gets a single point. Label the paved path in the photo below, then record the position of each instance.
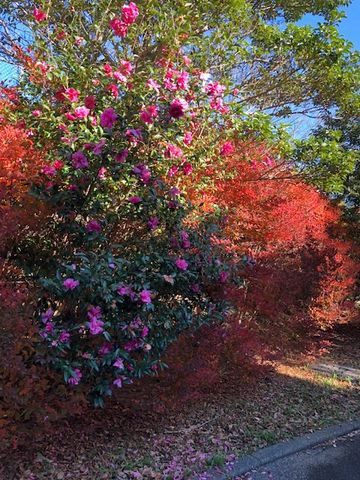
(335, 460)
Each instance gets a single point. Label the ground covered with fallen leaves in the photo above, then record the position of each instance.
(138, 436)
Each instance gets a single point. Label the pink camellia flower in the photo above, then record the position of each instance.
(102, 173)
(143, 172)
(236, 91)
(64, 337)
(129, 13)
(132, 345)
(36, 113)
(153, 223)
(178, 108)
(173, 170)
(227, 149)
(96, 326)
(145, 332)
(186, 60)
(90, 102)
(113, 89)
(118, 27)
(181, 264)
(108, 69)
(39, 15)
(188, 138)
(108, 118)
(126, 67)
(269, 162)
(120, 77)
(97, 149)
(49, 170)
(145, 296)
(135, 200)
(148, 114)
(93, 226)
(215, 89)
(153, 85)
(173, 151)
(122, 156)
(119, 363)
(75, 377)
(72, 94)
(71, 116)
(183, 80)
(134, 136)
(118, 382)
(185, 242)
(79, 160)
(223, 276)
(46, 316)
(70, 284)
(58, 164)
(218, 105)
(187, 169)
(81, 112)
(124, 290)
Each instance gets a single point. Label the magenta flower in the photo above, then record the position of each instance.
(173, 151)
(143, 172)
(108, 118)
(105, 349)
(70, 284)
(36, 113)
(119, 363)
(178, 107)
(120, 77)
(183, 80)
(122, 156)
(129, 13)
(144, 331)
(81, 112)
(132, 345)
(75, 377)
(118, 382)
(96, 326)
(135, 200)
(39, 15)
(126, 67)
(124, 290)
(145, 296)
(215, 89)
(49, 170)
(90, 102)
(72, 94)
(173, 170)
(93, 226)
(79, 160)
(181, 264)
(118, 27)
(188, 138)
(153, 223)
(227, 149)
(97, 149)
(187, 169)
(153, 85)
(46, 316)
(64, 337)
(148, 114)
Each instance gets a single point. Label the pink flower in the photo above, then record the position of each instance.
(119, 363)
(173, 170)
(108, 118)
(132, 345)
(145, 332)
(113, 89)
(120, 77)
(58, 164)
(105, 349)
(173, 151)
(119, 27)
(215, 89)
(153, 85)
(124, 290)
(187, 168)
(39, 15)
(107, 69)
(236, 91)
(70, 284)
(36, 113)
(153, 223)
(102, 173)
(135, 200)
(269, 162)
(121, 156)
(126, 67)
(79, 160)
(227, 149)
(223, 276)
(81, 112)
(129, 13)
(134, 136)
(178, 107)
(46, 316)
(188, 138)
(49, 170)
(94, 312)
(93, 226)
(118, 382)
(148, 114)
(75, 377)
(90, 102)
(218, 105)
(72, 94)
(183, 80)
(97, 149)
(181, 264)
(145, 296)
(143, 172)
(70, 116)
(64, 337)
(96, 326)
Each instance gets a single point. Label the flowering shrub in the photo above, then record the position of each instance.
(131, 265)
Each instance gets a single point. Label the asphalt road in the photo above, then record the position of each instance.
(336, 460)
